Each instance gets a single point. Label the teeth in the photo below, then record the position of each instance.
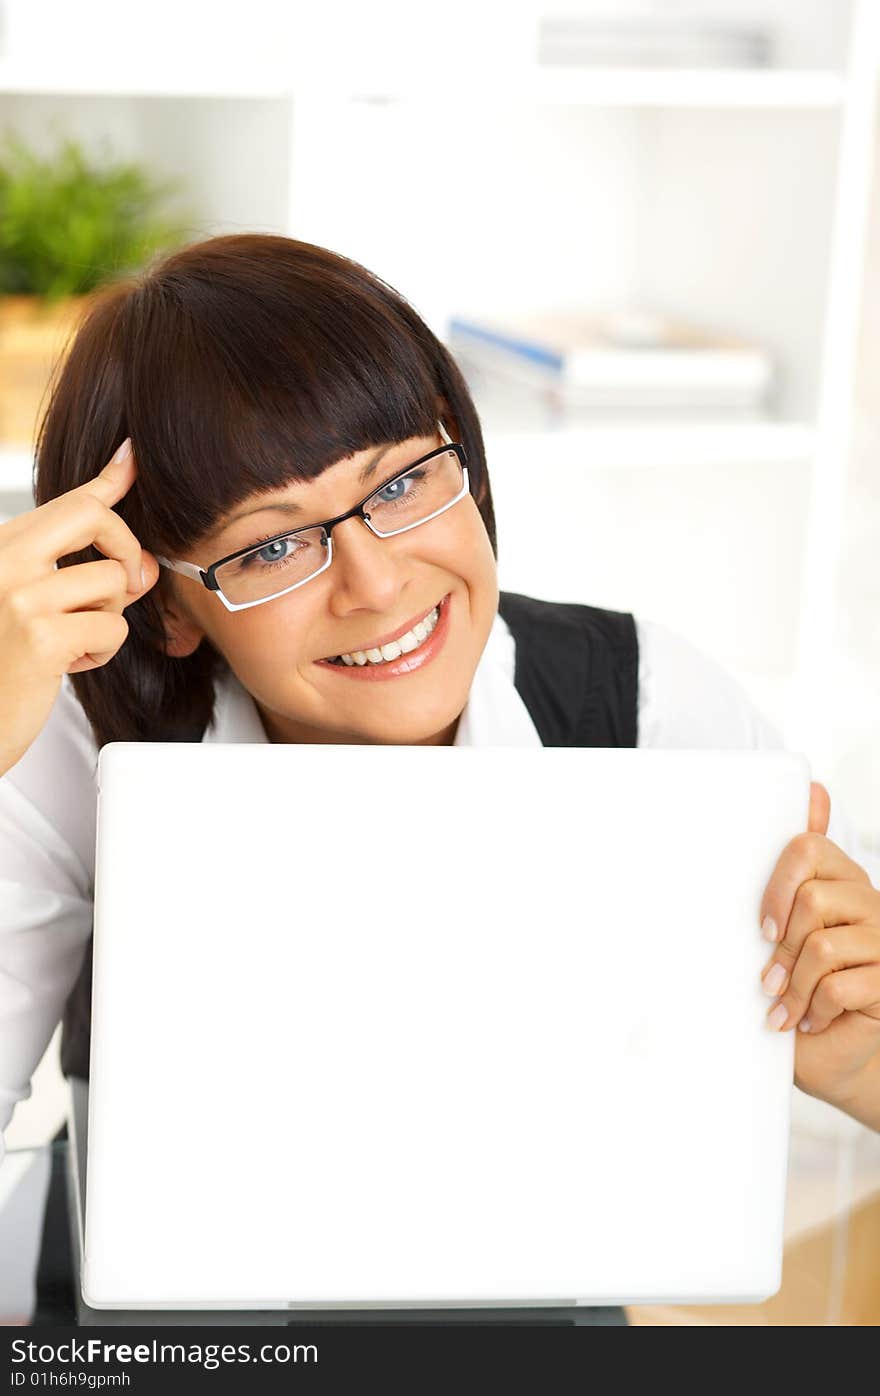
(403, 645)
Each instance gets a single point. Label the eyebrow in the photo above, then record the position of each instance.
(286, 506)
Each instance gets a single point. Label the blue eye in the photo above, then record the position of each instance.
(389, 494)
(276, 552)
(272, 550)
(407, 487)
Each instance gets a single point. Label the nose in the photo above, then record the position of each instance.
(366, 572)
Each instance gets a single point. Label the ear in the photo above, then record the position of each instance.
(182, 635)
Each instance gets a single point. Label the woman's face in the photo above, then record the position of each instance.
(373, 587)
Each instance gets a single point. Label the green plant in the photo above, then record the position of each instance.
(68, 225)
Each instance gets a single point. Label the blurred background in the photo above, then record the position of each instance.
(650, 234)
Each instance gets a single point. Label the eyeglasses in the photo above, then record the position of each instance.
(286, 561)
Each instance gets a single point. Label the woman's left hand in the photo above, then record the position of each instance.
(824, 973)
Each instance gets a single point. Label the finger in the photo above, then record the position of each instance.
(80, 521)
(820, 903)
(84, 586)
(91, 661)
(806, 856)
(824, 952)
(95, 636)
(73, 520)
(108, 487)
(847, 991)
(116, 478)
(820, 809)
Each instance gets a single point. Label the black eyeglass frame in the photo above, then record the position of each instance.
(208, 575)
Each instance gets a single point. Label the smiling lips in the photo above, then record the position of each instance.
(385, 639)
(419, 650)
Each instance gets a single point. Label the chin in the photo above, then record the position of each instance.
(415, 722)
(412, 732)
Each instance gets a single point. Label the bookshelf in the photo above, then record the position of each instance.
(475, 180)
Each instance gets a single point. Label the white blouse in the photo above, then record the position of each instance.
(48, 805)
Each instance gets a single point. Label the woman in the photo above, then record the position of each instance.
(301, 548)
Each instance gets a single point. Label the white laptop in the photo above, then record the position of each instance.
(392, 1026)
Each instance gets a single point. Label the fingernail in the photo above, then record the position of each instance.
(804, 1025)
(777, 1016)
(769, 928)
(774, 980)
(123, 451)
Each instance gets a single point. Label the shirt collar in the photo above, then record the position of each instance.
(494, 714)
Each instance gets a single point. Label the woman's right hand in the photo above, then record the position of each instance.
(64, 620)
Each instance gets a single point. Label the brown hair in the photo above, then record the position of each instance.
(235, 364)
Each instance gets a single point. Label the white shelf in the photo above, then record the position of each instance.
(664, 443)
(575, 86)
(675, 87)
(562, 86)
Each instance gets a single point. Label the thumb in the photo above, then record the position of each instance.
(820, 809)
(152, 569)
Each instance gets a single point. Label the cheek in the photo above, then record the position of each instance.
(481, 575)
(466, 547)
(251, 641)
(469, 556)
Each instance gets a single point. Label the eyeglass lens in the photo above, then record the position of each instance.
(274, 567)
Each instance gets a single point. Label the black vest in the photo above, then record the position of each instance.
(576, 670)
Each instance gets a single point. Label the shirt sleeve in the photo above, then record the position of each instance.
(686, 699)
(47, 822)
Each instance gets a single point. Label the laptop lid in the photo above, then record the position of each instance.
(392, 1026)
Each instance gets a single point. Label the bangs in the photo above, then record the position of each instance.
(244, 375)
(239, 365)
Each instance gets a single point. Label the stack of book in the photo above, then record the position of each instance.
(619, 360)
